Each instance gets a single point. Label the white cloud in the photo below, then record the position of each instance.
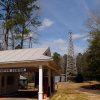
(59, 41)
(46, 23)
(33, 34)
(78, 36)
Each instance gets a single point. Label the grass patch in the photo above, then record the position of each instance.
(69, 97)
(71, 91)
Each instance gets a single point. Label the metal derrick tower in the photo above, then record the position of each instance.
(71, 70)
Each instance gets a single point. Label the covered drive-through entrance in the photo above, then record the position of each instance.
(14, 62)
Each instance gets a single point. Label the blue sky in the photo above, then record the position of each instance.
(61, 16)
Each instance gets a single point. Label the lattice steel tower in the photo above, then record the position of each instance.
(71, 70)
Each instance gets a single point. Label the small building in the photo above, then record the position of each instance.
(37, 60)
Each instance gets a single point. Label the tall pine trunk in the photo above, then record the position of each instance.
(6, 39)
(12, 40)
(22, 37)
(6, 27)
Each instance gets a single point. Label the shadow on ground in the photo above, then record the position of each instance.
(92, 87)
(95, 89)
(22, 94)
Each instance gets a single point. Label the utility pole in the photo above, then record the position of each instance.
(71, 70)
(30, 40)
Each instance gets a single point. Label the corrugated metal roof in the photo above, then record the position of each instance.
(34, 54)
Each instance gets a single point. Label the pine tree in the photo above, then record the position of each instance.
(18, 17)
(93, 58)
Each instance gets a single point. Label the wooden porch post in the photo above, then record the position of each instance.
(40, 93)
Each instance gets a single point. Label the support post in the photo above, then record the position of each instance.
(49, 81)
(40, 93)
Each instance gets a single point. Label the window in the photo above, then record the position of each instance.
(10, 80)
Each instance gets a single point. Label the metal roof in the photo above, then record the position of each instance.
(33, 54)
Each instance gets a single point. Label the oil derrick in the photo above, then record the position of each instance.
(71, 70)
